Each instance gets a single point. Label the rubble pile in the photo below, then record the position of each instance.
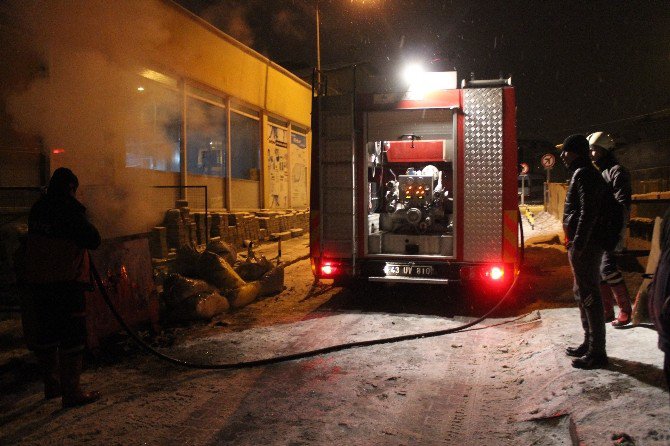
(188, 299)
(210, 282)
(202, 275)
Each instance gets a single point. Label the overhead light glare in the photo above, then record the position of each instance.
(413, 72)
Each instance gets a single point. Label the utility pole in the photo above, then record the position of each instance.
(318, 51)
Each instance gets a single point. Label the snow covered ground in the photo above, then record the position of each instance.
(510, 383)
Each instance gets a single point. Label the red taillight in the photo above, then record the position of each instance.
(492, 273)
(58, 151)
(495, 273)
(328, 269)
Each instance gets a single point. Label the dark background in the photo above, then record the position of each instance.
(574, 63)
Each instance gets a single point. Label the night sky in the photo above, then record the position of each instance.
(574, 63)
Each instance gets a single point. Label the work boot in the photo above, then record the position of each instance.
(595, 357)
(48, 360)
(591, 361)
(70, 372)
(578, 351)
(608, 301)
(620, 293)
(583, 348)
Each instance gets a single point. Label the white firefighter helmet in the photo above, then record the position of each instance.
(601, 139)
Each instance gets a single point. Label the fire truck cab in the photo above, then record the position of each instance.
(416, 187)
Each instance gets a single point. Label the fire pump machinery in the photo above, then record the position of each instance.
(416, 188)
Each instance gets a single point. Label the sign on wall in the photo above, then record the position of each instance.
(276, 158)
(298, 161)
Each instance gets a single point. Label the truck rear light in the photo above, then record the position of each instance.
(495, 273)
(329, 269)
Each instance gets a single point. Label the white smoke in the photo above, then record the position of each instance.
(85, 100)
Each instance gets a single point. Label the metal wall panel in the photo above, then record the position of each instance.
(337, 150)
(337, 200)
(483, 146)
(336, 248)
(338, 175)
(338, 126)
(336, 183)
(338, 227)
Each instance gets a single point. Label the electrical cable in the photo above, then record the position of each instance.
(291, 357)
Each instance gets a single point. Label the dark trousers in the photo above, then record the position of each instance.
(54, 317)
(609, 269)
(586, 271)
(666, 369)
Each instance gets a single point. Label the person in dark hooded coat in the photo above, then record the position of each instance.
(581, 215)
(56, 273)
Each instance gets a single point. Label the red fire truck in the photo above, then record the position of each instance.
(416, 187)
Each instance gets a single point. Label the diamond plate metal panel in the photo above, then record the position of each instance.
(483, 145)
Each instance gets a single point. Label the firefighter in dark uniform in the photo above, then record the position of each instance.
(56, 274)
(581, 214)
(612, 286)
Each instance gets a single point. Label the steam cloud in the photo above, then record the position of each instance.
(85, 100)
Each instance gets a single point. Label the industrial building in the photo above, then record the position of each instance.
(133, 95)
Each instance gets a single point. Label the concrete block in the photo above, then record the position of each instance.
(286, 235)
(158, 246)
(185, 214)
(192, 233)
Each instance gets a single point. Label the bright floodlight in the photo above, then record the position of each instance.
(412, 72)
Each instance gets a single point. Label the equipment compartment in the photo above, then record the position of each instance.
(410, 183)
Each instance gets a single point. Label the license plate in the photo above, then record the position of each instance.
(399, 269)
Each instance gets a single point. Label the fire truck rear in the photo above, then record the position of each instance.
(417, 187)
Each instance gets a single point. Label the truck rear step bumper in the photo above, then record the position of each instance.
(425, 280)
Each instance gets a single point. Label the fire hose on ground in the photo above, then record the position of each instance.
(295, 356)
(301, 355)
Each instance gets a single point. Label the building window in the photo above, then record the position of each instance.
(245, 146)
(205, 138)
(154, 130)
